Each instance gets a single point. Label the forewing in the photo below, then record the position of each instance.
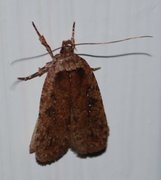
(71, 113)
(88, 129)
(50, 139)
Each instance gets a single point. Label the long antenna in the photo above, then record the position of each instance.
(80, 44)
(116, 41)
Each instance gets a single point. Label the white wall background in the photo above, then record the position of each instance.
(130, 86)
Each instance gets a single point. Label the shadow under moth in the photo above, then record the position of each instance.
(71, 112)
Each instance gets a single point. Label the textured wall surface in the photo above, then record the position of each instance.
(130, 85)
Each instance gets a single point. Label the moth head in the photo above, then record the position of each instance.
(67, 47)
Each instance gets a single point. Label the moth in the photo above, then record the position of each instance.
(71, 112)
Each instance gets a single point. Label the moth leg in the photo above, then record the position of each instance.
(43, 42)
(95, 69)
(40, 72)
(73, 33)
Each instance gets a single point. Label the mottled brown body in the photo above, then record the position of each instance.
(71, 110)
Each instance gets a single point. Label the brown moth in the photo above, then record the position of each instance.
(71, 111)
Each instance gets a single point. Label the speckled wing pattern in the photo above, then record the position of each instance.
(71, 112)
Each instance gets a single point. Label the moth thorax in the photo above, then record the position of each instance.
(67, 47)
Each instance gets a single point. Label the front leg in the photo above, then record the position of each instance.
(95, 69)
(44, 42)
(40, 72)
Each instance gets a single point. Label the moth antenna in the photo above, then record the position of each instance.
(79, 44)
(115, 41)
